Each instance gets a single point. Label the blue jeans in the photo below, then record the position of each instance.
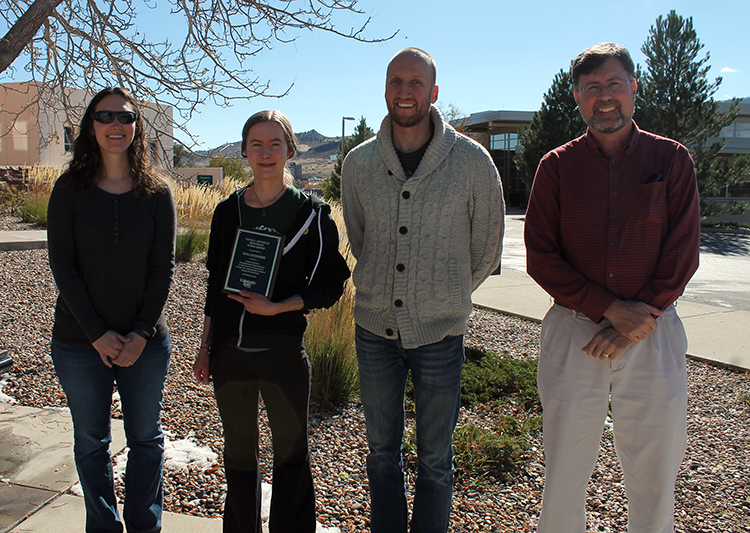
(88, 384)
(436, 374)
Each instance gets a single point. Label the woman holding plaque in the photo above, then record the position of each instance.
(111, 234)
(252, 342)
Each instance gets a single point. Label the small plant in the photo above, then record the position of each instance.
(33, 210)
(11, 199)
(497, 450)
(191, 242)
(497, 376)
(744, 399)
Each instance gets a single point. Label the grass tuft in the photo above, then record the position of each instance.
(191, 242)
(33, 210)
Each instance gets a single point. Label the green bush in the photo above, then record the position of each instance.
(190, 243)
(33, 210)
(497, 376)
(497, 450)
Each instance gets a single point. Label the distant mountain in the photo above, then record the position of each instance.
(313, 138)
(315, 143)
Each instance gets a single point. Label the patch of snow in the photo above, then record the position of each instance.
(184, 454)
(4, 397)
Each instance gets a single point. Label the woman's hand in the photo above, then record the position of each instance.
(131, 351)
(201, 368)
(258, 304)
(109, 346)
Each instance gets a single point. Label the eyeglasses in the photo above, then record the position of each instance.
(614, 87)
(107, 117)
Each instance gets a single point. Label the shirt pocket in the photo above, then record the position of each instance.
(652, 203)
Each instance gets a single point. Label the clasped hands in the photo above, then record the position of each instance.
(632, 321)
(121, 350)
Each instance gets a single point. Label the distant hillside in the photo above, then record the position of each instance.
(311, 141)
(313, 138)
(315, 152)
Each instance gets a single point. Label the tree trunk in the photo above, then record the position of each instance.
(24, 29)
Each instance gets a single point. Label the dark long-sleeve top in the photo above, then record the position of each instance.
(310, 267)
(627, 227)
(112, 256)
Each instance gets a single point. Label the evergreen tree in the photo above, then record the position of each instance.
(557, 122)
(331, 186)
(675, 99)
(232, 167)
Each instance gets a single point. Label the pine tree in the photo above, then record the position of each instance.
(331, 186)
(557, 122)
(675, 99)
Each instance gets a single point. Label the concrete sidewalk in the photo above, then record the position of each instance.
(717, 335)
(36, 445)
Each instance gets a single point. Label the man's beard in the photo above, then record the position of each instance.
(609, 125)
(413, 120)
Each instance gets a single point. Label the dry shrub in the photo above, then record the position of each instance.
(329, 339)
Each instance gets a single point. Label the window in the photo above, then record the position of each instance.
(153, 152)
(504, 141)
(68, 138)
(503, 148)
(736, 129)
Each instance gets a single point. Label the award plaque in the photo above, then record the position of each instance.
(254, 262)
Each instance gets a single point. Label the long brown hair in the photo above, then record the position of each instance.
(84, 170)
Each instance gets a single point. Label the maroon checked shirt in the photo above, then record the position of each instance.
(628, 227)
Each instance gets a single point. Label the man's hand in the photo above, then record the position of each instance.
(632, 319)
(607, 344)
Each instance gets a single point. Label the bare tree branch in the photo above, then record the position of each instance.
(92, 44)
(23, 31)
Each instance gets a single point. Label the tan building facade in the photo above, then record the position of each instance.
(35, 128)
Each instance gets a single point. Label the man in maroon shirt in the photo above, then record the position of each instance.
(612, 234)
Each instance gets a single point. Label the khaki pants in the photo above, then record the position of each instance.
(647, 387)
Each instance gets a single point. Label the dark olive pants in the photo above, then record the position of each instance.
(281, 375)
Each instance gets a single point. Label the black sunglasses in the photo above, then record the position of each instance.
(107, 117)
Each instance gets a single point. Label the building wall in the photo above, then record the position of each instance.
(19, 131)
(55, 149)
(39, 134)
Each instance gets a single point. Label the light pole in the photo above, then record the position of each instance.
(343, 136)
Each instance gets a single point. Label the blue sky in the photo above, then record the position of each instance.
(491, 55)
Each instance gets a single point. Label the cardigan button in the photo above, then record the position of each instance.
(398, 303)
(400, 267)
(402, 230)
(405, 195)
(389, 332)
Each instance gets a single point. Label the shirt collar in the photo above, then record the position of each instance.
(596, 148)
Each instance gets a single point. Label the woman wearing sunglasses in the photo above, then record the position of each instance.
(252, 344)
(111, 234)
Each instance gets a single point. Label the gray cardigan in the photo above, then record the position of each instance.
(422, 244)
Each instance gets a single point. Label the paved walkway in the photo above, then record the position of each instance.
(36, 456)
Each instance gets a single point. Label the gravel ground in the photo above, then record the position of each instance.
(713, 486)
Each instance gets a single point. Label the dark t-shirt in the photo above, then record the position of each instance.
(279, 215)
(410, 161)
